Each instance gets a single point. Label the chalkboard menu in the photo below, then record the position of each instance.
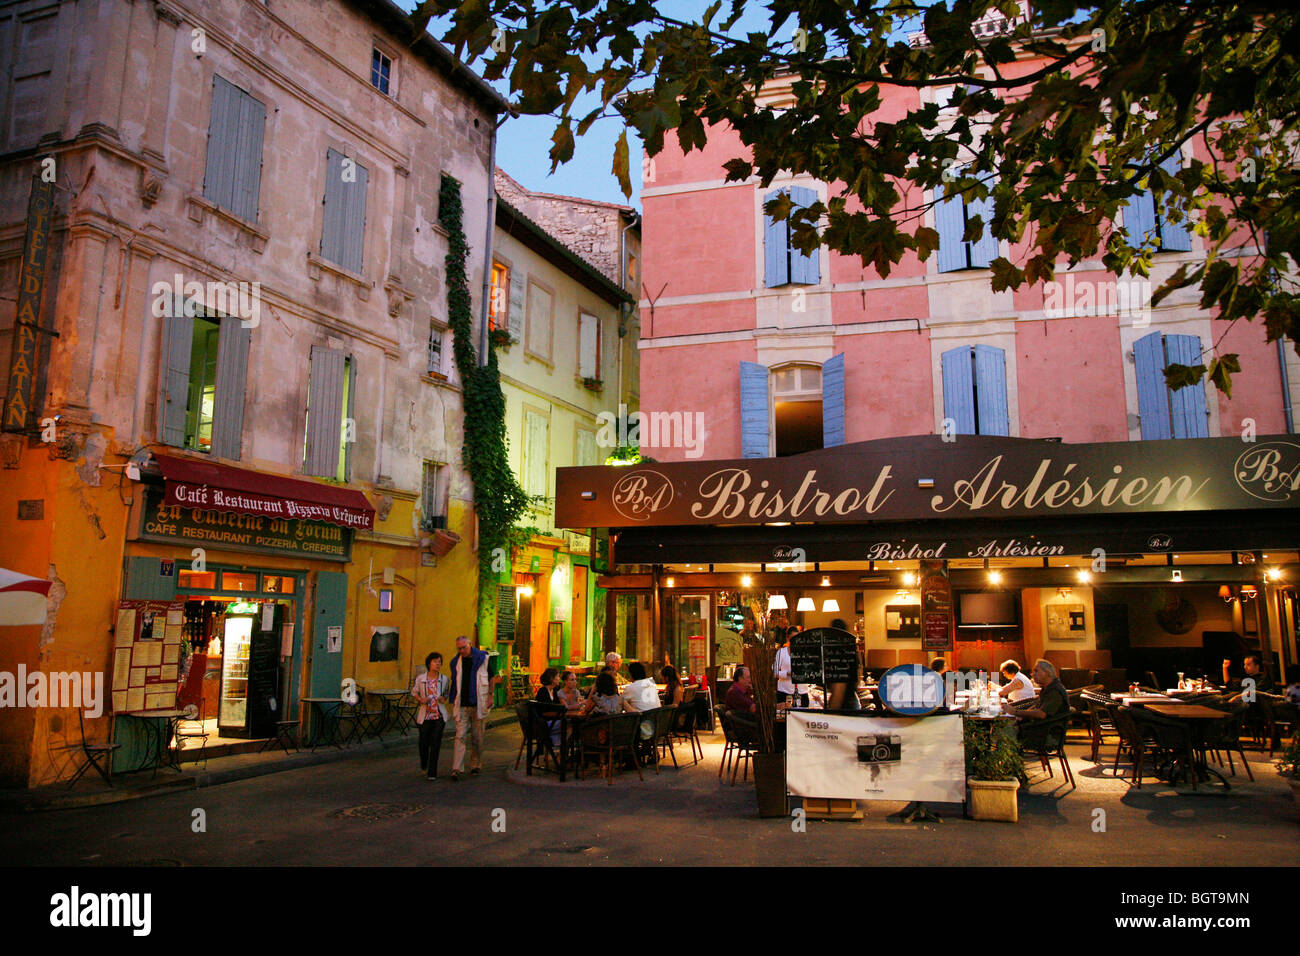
(824, 655)
(505, 613)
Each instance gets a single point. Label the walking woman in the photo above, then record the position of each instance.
(431, 690)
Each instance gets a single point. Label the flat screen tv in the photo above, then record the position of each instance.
(988, 609)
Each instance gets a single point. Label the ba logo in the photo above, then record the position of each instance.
(642, 493)
(1160, 542)
(1269, 472)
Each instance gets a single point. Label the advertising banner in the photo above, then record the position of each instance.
(848, 757)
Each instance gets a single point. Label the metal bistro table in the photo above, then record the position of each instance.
(325, 720)
(159, 726)
(388, 698)
(1196, 715)
(566, 718)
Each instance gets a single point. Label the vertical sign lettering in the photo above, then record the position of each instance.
(18, 412)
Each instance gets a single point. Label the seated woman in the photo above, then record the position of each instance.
(569, 694)
(548, 693)
(605, 698)
(1017, 686)
(674, 690)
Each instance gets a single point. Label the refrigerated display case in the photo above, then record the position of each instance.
(250, 674)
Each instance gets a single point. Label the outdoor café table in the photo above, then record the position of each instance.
(159, 727)
(388, 698)
(549, 712)
(325, 712)
(1196, 715)
(1145, 700)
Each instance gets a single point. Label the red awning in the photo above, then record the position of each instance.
(211, 487)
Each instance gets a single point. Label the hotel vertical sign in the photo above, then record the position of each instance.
(19, 412)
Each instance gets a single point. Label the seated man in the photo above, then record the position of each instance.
(640, 691)
(613, 661)
(1253, 665)
(740, 695)
(1053, 701)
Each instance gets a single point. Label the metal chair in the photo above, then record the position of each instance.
(1045, 739)
(684, 729)
(741, 743)
(1135, 740)
(1101, 720)
(665, 719)
(1173, 742)
(1225, 736)
(190, 728)
(92, 754)
(356, 718)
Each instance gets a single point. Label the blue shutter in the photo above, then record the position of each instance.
(1140, 218)
(833, 401)
(1153, 393)
(324, 412)
(959, 389)
(1174, 236)
(991, 390)
(174, 374)
(232, 378)
(776, 249)
(985, 250)
(950, 223)
(146, 582)
(753, 411)
(1187, 404)
(248, 158)
(223, 136)
(804, 268)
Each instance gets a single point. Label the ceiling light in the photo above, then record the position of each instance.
(806, 604)
(746, 580)
(909, 579)
(830, 605)
(826, 582)
(995, 577)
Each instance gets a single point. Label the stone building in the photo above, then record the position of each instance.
(252, 430)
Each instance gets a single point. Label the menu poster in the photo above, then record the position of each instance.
(147, 654)
(168, 672)
(135, 698)
(124, 635)
(171, 653)
(286, 640)
(936, 606)
(175, 615)
(147, 650)
(121, 667)
(119, 701)
(698, 654)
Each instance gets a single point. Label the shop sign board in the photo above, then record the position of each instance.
(230, 531)
(849, 757)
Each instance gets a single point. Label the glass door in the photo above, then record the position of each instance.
(687, 637)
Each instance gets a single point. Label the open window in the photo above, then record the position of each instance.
(792, 408)
(203, 378)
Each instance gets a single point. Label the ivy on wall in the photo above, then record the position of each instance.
(498, 498)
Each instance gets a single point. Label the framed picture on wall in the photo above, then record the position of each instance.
(1065, 622)
(902, 622)
(858, 604)
(554, 636)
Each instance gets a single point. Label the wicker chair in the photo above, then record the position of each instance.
(1101, 720)
(605, 737)
(1173, 741)
(1135, 739)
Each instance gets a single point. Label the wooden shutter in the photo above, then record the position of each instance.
(223, 140)
(324, 412)
(991, 391)
(515, 312)
(754, 424)
(174, 374)
(1140, 218)
(776, 249)
(1153, 393)
(588, 328)
(833, 401)
(145, 582)
(587, 447)
(959, 389)
(1187, 404)
(984, 250)
(535, 452)
(247, 173)
(343, 233)
(1174, 236)
(232, 379)
(950, 223)
(804, 267)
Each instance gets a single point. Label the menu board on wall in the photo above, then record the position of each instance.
(505, 613)
(936, 607)
(146, 649)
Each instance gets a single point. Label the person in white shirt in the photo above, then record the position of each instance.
(642, 694)
(1016, 683)
(781, 667)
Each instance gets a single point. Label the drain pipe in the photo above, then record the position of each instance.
(1286, 387)
(624, 309)
(487, 241)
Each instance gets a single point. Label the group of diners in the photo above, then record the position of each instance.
(612, 693)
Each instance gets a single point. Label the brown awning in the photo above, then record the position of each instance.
(211, 487)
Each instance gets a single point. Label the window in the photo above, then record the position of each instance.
(343, 232)
(1162, 411)
(437, 340)
(631, 271)
(433, 496)
(783, 264)
(806, 408)
(380, 70)
(202, 380)
(588, 346)
(536, 448)
(499, 304)
(233, 176)
(586, 452)
(975, 390)
(1142, 224)
(540, 303)
(331, 429)
(951, 217)
(35, 54)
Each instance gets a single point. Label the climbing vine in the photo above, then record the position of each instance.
(498, 498)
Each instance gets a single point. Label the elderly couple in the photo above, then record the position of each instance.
(465, 697)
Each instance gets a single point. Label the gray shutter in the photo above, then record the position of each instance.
(776, 249)
(324, 412)
(174, 375)
(833, 401)
(804, 268)
(248, 158)
(145, 582)
(754, 440)
(950, 223)
(1174, 236)
(331, 237)
(959, 389)
(232, 378)
(515, 315)
(354, 231)
(1187, 404)
(991, 390)
(350, 370)
(223, 136)
(1153, 393)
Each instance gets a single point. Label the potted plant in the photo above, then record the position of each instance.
(592, 384)
(500, 338)
(1288, 765)
(994, 769)
(768, 762)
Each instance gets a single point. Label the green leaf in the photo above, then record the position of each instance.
(1221, 371)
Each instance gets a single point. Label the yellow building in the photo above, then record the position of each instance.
(232, 419)
(569, 367)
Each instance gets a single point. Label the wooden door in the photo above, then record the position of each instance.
(578, 628)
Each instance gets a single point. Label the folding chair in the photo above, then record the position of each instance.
(93, 754)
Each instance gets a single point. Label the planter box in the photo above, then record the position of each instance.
(994, 799)
(443, 541)
(769, 783)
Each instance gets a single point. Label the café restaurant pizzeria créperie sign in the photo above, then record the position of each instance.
(1033, 479)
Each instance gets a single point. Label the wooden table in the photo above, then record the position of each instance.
(1197, 714)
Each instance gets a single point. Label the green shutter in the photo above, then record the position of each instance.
(146, 582)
